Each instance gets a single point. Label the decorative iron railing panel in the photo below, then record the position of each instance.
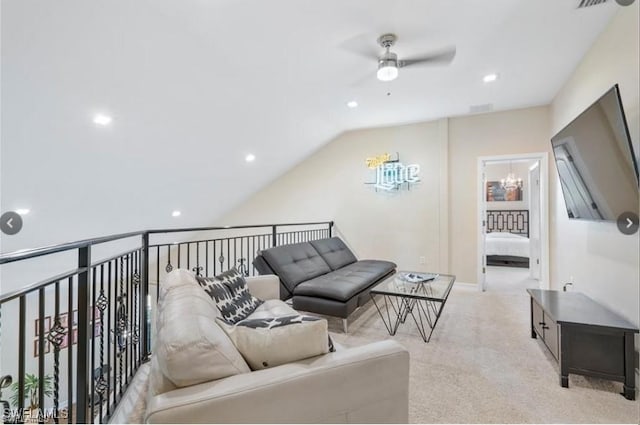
(78, 338)
(510, 221)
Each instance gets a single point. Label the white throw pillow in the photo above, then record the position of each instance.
(269, 342)
(189, 347)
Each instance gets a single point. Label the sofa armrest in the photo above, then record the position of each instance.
(265, 287)
(364, 384)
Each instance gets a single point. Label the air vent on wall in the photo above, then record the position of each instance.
(588, 3)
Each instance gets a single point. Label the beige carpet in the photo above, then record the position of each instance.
(481, 365)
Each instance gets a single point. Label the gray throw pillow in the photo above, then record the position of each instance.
(230, 293)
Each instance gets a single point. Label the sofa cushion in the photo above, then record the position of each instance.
(269, 342)
(182, 296)
(344, 283)
(295, 263)
(334, 252)
(230, 293)
(178, 277)
(189, 346)
(158, 382)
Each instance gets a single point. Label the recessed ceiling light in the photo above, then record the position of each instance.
(352, 104)
(176, 214)
(102, 120)
(250, 158)
(490, 78)
(23, 211)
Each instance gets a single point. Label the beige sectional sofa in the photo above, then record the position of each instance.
(197, 375)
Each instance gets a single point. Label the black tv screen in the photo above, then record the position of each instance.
(596, 162)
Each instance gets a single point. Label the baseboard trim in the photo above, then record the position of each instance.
(466, 285)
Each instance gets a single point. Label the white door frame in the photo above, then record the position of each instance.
(535, 271)
(544, 210)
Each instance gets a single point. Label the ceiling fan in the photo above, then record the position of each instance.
(388, 63)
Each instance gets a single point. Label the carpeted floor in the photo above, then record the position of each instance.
(481, 365)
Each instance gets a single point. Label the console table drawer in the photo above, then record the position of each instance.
(551, 335)
(545, 327)
(537, 317)
(601, 353)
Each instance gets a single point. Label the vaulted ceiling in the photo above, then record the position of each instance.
(193, 86)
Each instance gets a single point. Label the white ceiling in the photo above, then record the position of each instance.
(195, 85)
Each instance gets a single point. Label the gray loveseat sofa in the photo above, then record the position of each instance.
(323, 276)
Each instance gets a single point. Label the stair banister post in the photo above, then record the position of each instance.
(145, 308)
(83, 373)
(274, 234)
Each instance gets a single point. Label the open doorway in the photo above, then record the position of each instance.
(513, 222)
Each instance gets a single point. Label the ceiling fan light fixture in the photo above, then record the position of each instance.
(387, 71)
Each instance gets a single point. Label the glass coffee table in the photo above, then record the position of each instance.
(406, 293)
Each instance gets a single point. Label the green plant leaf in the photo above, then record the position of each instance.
(31, 385)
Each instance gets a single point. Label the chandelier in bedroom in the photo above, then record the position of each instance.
(511, 182)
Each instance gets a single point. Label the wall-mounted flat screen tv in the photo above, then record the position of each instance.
(596, 162)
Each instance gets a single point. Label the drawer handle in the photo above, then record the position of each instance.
(545, 327)
(541, 323)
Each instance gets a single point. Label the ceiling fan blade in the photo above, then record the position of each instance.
(364, 79)
(443, 57)
(362, 45)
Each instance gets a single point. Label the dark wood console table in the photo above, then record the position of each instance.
(584, 337)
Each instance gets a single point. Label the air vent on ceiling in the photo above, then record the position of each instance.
(589, 3)
(479, 109)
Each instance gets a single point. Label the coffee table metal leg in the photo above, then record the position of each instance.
(425, 317)
(425, 313)
(439, 311)
(404, 308)
(401, 311)
(387, 323)
(409, 304)
(400, 308)
(420, 322)
(420, 326)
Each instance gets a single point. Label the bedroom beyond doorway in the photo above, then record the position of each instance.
(511, 223)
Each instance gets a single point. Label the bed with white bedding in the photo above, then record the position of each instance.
(503, 243)
(507, 241)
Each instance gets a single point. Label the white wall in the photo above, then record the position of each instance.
(500, 133)
(602, 261)
(436, 219)
(330, 184)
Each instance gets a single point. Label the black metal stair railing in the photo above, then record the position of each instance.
(93, 323)
(213, 255)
